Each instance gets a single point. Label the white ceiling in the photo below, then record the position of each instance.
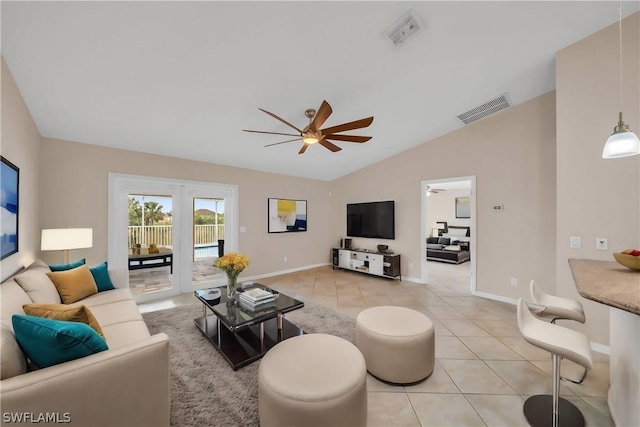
(183, 78)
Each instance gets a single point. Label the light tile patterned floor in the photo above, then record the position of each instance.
(484, 369)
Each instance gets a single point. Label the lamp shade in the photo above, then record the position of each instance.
(621, 144)
(59, 239)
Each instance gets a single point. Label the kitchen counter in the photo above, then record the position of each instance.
(607, 282)
(610, 283)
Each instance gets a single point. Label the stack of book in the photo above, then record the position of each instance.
(256, 299)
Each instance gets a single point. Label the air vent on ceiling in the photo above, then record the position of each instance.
(403, 29)
(480, 112)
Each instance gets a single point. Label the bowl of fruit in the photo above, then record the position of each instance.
(629, 258)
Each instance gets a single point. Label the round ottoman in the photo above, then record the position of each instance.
(397, 343)
(313, 380)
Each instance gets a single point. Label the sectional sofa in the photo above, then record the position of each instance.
(124, 383)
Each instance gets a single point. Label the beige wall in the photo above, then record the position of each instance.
(512, 155)
(21, 146)
(74, 192)
(442, 207)
(596, 197)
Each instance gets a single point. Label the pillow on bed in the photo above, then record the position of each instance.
(434, 246)
(452, 248)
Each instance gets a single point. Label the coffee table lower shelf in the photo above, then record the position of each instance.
(244, 347)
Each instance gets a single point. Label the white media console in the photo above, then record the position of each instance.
(366, 261)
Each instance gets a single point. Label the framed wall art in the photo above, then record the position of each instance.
(9, 185)
(286, 215)
(463, 207)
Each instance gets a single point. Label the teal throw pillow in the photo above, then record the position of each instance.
(101, 276)
(48, 342)
(65, 267)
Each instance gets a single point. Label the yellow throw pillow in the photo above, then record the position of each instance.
(75, 284)
(80, 313)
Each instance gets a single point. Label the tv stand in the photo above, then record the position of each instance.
(367, 261)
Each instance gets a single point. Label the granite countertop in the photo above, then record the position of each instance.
(607, 282)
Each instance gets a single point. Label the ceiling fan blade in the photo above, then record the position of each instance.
(329, 146)
(270, 133)
(283, 142)
(321, 116)
(348, 138)
(303, 149)
(358, 124)
(280, 119)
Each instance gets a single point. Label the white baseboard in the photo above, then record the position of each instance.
(280, 272)
(600, 348)
(496, 297)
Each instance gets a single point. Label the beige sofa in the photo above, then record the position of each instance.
(126, 385)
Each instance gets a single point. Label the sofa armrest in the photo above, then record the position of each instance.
(128, 386)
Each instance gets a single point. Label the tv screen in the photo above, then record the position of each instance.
(373, 220)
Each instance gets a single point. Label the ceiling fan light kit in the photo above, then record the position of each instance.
(312, 134)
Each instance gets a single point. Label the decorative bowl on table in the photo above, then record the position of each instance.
(629, 261)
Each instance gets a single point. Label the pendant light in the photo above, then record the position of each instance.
(623, 142)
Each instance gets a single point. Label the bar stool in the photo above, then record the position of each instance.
(545, 410)
(558, 308)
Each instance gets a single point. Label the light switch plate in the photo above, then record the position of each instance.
(575, 242)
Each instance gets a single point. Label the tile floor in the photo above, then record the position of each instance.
(484, 369)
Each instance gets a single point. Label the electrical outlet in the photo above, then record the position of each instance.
(575, 242)
(514, 281)
(602, 244)
(285, 258)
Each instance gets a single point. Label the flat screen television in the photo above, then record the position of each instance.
(373, 220)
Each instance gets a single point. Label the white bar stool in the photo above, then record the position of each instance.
(558, 308)
(545, 410)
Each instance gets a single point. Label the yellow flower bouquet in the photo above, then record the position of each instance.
(232, 264)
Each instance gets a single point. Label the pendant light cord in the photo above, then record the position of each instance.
(620, 56)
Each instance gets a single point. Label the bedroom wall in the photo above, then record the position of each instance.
(74, 192)
(512, 155)
(596, 197)
(442, 207)
(21, 146)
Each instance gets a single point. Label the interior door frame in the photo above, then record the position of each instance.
(424, 269)
(121, 185)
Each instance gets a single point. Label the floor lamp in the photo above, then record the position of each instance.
(65, 239)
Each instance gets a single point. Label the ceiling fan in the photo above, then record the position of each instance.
(312, 134)
(434, 190)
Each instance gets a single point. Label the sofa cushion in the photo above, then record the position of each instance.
(49, 342)
(432, 240)
(37, 285)
(12, 360)
(100, 274)
(434, 246)
(64, 267)
(75, 284)
(125, 333)
(453, 248)
(444, 241)
(70, 313)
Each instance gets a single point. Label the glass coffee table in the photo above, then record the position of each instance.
(242, 335)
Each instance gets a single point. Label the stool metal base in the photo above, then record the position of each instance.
(538, 410)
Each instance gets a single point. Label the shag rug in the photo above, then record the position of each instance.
(205, 390)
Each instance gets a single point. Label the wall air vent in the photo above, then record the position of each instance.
(488, 108)
(403, 29)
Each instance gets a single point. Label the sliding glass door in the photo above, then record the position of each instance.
(164, 235)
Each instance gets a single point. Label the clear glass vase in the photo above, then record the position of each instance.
(231, 285)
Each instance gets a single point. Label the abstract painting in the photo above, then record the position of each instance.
(286, 215)
(9, 177)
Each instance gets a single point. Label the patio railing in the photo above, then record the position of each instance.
(161, 235)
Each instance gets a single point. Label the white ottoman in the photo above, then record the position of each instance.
(397, 343)
(313, 380)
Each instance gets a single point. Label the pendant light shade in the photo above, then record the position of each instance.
(622, 143)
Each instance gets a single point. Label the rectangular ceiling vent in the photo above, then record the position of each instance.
(488, 108)
(403, 29)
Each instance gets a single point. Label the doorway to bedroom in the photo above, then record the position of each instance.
(448, 239)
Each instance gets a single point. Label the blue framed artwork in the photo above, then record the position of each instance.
(9, 185)
(286, 215)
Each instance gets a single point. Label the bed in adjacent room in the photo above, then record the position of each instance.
(452, 247)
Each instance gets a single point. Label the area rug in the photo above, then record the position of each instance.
(205, 390)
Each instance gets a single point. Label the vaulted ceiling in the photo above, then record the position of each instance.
(183, 79)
